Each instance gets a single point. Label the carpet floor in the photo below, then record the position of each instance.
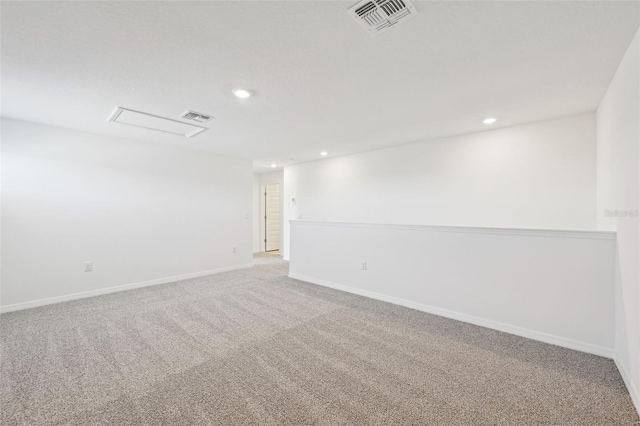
(254, 347)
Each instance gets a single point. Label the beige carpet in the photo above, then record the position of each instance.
(255, 347)
(266, 258)
(274, 253)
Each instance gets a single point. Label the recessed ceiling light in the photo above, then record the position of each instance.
(242, 93)
(489, 120)
(324, 153)
(274, 165)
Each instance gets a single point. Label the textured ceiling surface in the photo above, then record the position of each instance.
(320, 81)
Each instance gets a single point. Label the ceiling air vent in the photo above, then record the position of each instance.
(196, 116)
(377, 16)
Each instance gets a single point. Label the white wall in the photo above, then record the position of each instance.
(258, 246)
(259, 182)
(139, 211)
(539, 175)
(554, 286)
(618, 122)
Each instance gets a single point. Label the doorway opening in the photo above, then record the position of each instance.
(272, 217)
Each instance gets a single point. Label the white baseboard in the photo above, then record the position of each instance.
(99, 292)
(633, 391)
(496, 325)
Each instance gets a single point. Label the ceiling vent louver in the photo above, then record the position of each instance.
(377, 16)
(196, 116)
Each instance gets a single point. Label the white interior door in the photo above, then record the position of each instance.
(272, 217)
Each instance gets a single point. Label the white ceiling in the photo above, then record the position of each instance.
(321, 82)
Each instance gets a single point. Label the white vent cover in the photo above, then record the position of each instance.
(377, 16)
(154, 122)
(196, 116)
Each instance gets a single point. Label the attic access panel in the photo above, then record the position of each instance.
(154, 122)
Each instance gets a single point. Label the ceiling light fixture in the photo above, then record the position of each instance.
(489, 120)
(274, 165)
(242, 93)
(324, 153)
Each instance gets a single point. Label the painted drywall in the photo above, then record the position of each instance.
(255, 222)
(618, 123)
(539, 175)
(259, 182)
(553, 286)
(325, 86)
(141, 212)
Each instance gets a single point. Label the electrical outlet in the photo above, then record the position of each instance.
(88, 266)
(363, 266)
(234, 249)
